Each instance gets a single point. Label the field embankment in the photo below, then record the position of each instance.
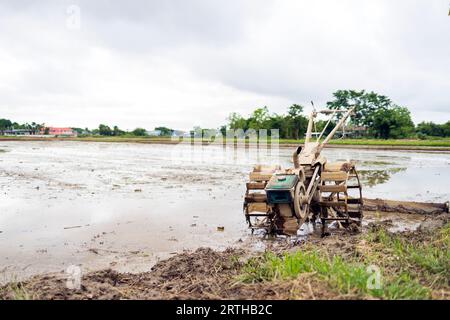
(442, 144)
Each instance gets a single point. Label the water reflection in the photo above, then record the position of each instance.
(371, 178)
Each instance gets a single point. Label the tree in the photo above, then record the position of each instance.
(278, 121)
(104, 130)
(139, 132)
(378, 113)
(297, 122)
(366, 105)
(392, 123)
(5, 124)
(258, 119)
(236, 121)
(117, 132)
(223, 130)
(446, 129)
(165, 131)
(78, 130)
(320, 125)
(430, 129)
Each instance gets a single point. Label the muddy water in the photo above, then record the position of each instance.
(127, 205)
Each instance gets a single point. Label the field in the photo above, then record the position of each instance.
(165, 221)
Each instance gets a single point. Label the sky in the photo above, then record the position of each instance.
(191, 63)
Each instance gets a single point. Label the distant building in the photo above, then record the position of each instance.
(154, 133)
(357, 131)
(179, 133)
(54, 131)
(19, 132)
(175, 133)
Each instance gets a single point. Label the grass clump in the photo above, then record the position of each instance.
(15, 291)
(346, 277)
(429, 256)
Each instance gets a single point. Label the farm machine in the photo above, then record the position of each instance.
(281, 200)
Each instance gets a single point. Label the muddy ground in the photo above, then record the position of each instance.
(210, 274)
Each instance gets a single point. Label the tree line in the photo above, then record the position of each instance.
(102, 130)
(6, 124)
(105, 130)
(376, 116)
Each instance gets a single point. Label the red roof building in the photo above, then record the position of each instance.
(59, 131)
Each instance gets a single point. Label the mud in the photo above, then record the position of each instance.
(408, 207)
(127, 206)
(210, 274)
(203, 274)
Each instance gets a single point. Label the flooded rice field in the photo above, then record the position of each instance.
(126, 206)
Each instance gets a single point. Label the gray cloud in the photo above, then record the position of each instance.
(182, 63)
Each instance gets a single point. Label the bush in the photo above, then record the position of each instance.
(422, 136)
(139, 132)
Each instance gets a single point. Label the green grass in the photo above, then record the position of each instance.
(443, 142)
(430, 257)
(16, 291)
(345, 277)
(432, 142)
(412, 265)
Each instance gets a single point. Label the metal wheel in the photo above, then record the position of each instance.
(300, 203)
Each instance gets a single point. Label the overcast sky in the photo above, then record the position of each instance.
(192, 62)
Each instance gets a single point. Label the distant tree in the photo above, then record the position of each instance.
(5, 124)
(236, 121)
(430, 129)
(165, 131)
(78, 130)
(223, 130)
(206, 133)
(139, 132)
(196, 132)
(378, 113)
(367, 103)
(259, 118)
(104, 130)
(320, 125)
(117, 132)
(392, 123)
(297, 122)
(280, 122)
(446, 129)
(289, 126)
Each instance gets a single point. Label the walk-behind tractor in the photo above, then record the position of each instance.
(281, 200)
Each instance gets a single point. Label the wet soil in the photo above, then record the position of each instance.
(209, 274)
(408, 207)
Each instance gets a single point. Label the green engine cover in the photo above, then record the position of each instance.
(280, 188)
(282, 182)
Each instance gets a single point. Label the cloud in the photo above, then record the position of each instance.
(186, 63)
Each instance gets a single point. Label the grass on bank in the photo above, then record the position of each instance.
(16, 291)
(431, 142)
(428, 257)
(410, 268)
(442, 142)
